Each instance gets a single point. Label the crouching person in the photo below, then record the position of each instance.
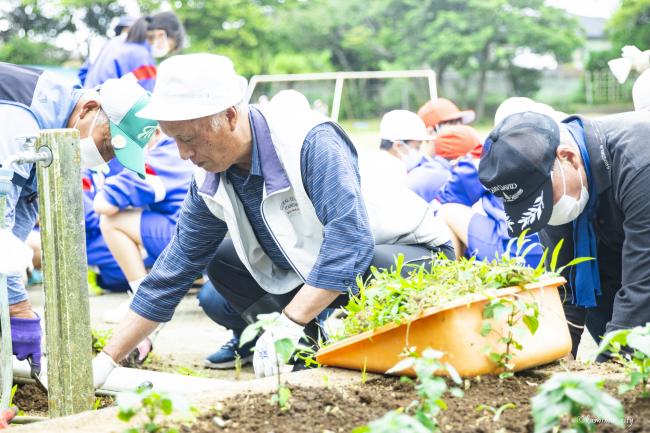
(285, 185)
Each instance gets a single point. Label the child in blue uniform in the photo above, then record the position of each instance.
(149, 38)
(125, 214)
(475, 233)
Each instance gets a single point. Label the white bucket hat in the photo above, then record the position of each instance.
(191, 86)
(402, 125)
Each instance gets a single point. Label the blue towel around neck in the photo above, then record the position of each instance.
(585, 277)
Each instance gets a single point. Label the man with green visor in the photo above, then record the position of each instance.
(31, 100)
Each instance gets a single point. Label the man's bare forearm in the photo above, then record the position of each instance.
(308, 303)
(129, 332)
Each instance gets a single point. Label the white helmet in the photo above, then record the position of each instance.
(402, 125)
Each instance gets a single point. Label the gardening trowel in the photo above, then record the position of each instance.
(35, 373)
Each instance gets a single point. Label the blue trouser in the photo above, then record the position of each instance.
(219, 310)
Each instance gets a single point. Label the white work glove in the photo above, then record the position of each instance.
(15, 256)
(103, 365)
(265, 359)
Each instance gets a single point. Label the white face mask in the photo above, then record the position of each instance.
(411, 157)
(568, 208)
(90, 156)
(160, 47)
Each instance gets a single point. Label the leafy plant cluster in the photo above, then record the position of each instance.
(155, 406)
(631, 348)
(571, 398)
(388, 296)
(419, 416)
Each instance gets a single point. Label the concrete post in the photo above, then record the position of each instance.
(6, 370)
(67, 310)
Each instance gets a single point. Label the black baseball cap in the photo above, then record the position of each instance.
(516, 166)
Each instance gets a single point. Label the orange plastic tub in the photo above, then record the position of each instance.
(455, 330)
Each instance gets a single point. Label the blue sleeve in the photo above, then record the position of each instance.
(83, 72)
(330, 174)
(464, 186)
(426, 180)
(127, 189)
(198, 235)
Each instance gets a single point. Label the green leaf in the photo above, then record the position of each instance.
(167, 406)
(532, 323)
(284, 348)
(575, 262)
(402, 365)
(486, 328)
(580, 396)
(284, 395)
(126, 414)
(640, 342)
(249, 333)
(555, 255)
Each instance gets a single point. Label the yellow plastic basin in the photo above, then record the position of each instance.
(455, 330)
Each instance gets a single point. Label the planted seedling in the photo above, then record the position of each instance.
(285, 349)
(495, 411)
(155, 407)
(421, 415)
(572, 398)
(513, 310)
(631, 348)
(100, 337)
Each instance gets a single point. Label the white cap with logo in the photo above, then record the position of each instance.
(191, 86)
(402, 125)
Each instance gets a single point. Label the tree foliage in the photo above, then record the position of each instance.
(630, 24)
(471, 37)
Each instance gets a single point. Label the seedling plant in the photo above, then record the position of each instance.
(631, 348)
(568, 397)
(421, 415)
(99, 338)
(495, 411)
(155, 407)
(285, 349)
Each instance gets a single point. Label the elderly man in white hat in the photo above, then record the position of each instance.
(285, 185)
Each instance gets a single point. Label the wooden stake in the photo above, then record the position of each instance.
(67, 310)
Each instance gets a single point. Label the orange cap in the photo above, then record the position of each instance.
(455, 141)
(442, 110)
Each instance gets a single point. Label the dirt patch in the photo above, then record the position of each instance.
(168, 364)
(32, 400)
(324, 410)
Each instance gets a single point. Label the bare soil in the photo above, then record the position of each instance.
(32, 400)
(334, 410)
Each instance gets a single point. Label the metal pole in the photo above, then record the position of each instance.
(67, 310)
(6, 352)
(336, 103)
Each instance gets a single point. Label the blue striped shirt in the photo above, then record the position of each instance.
(330, 176)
